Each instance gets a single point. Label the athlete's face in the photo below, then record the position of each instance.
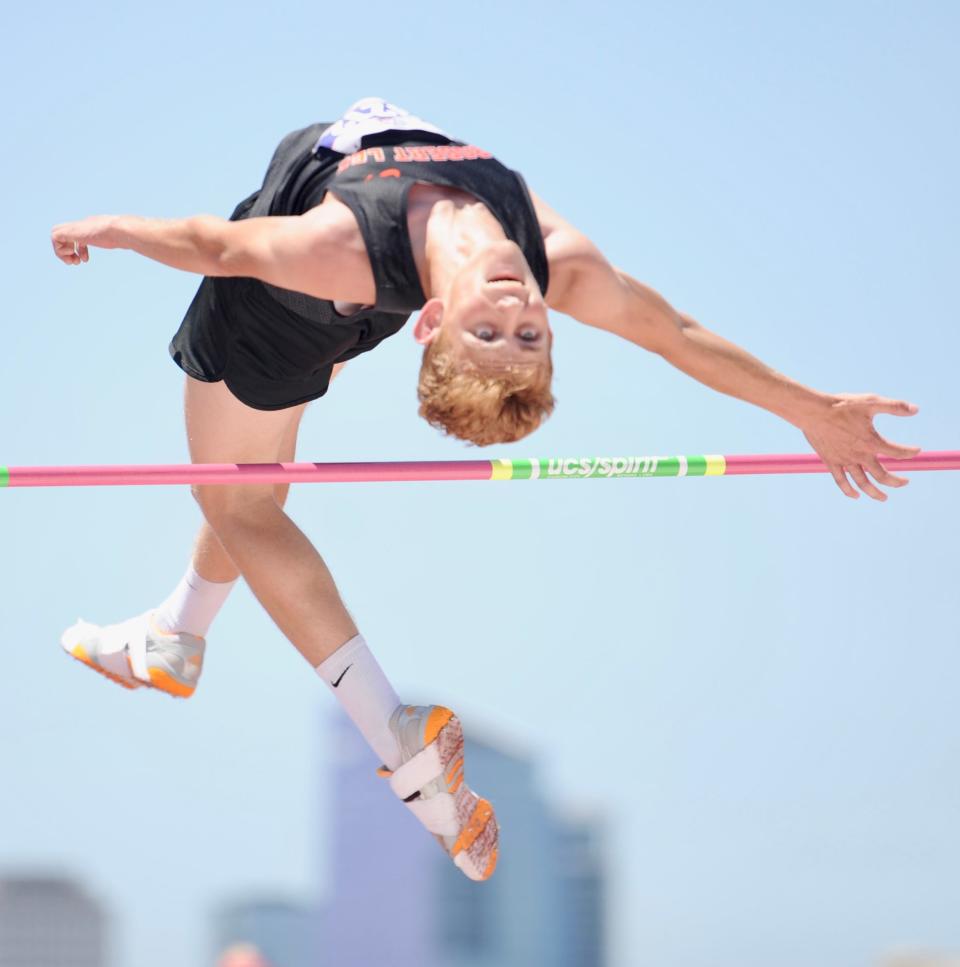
(494, 314)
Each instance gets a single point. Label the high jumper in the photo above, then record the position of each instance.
(359, 224)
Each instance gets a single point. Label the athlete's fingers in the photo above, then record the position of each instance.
(843, 483)
(865, 484)
(880, 473)
(901, 450)
(894, 407)
(65, 251)
(61, 240)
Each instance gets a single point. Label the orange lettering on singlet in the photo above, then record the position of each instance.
(390, 173)
(438, 152)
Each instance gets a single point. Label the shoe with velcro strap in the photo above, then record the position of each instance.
(137, 653)
(431, 784)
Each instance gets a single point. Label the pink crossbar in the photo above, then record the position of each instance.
(396, 471)
(248, 473)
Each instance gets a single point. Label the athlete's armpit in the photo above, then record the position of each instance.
(587, 287)
(598, 294)
(315, 253)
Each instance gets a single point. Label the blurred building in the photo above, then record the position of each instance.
(282, 933)
(582, 904)
(397, 901)
(50, 922)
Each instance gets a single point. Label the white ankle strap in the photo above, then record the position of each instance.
(412, 776)
(136, 642)
(438, 814)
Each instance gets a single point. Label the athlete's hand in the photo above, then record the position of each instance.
(72, 240)
(848, 443)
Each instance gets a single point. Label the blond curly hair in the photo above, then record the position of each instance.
(483, 406)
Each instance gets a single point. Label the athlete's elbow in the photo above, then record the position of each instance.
(216, 245)
(662, 330)
(666, 332)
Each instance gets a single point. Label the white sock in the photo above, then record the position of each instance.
(193, 604)
(357, 682)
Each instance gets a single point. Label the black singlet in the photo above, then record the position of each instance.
(276, 348)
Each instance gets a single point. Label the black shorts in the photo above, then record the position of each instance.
(273, 348)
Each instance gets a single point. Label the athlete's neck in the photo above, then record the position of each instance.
(447, 228)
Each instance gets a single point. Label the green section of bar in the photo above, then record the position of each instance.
(4, 476)
(522, 469)
(573, 468)
(607, 467)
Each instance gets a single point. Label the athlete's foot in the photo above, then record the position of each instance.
(137, 653)
(430, 782)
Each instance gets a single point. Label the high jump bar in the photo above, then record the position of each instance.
(549, 468)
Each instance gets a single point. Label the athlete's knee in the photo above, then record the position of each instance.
(280, 493)
(224, 505)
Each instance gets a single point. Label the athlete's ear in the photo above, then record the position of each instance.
(427, 326)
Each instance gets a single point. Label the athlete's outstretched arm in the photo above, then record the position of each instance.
(308, 253)
(839, 426)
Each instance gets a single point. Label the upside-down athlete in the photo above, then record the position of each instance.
(359, 224)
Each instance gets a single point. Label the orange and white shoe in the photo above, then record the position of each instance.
(137, 653)
(430, 782)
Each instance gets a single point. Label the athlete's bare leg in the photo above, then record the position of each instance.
(255, 536)
(210, 560)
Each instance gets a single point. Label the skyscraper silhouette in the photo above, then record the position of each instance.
(48, 921)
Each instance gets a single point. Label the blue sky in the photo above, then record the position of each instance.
(754, 678)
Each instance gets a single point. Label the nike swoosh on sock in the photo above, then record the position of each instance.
(336, 684)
